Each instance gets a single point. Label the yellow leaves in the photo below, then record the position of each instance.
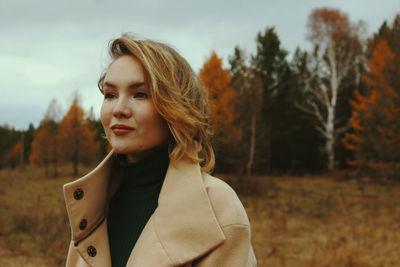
(222, 98)
(74, 139)
(41, 146)
(76, 136)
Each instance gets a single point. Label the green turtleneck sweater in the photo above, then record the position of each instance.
(134, 202)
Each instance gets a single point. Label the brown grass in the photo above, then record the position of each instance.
(34, 230)
(295, 221)
(323, 222)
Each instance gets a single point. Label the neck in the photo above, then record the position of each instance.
(135, 157)
(144, 175)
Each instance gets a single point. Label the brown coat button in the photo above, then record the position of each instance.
(91, 251)
(82, 224)
(78, 194)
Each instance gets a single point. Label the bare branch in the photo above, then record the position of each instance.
(342, 129)
(321, 131)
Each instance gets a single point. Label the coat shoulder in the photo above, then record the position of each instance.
(226, 204)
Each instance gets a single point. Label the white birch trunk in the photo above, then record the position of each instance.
(331, 108)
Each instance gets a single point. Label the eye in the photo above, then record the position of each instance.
(141, 95)
(109, 95)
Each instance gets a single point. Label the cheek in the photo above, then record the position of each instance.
(158, 125)
(105, 116)
(162, 127)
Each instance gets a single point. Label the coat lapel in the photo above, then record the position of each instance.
(184, 220)
(86, 200)
(183, 226)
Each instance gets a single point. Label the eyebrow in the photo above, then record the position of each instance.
(133, 85)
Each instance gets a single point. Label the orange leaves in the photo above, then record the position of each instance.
(381, 58)
(14, 155)
(222, 98)
(375, 117)
(40, 147)
(330, 25)
(76, 137)
(71, 126)
(325, 20)
(17, 149)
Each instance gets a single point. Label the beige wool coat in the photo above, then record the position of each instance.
(199, 221)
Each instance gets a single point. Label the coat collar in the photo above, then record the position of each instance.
(183, 200)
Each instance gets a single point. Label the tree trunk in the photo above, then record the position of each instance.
(22, 149)
(268, 148)
(55, 168)
(330, 150)
(75, 162)
(252, 145)
(55, 160)
(330, 139)
(330, 124)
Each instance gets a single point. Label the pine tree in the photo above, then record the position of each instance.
(271, 67)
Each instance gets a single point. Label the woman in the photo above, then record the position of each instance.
(151, 202)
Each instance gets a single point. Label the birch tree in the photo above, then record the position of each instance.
(337, 52)
(249, 101)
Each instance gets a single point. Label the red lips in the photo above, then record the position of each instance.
(121, 129)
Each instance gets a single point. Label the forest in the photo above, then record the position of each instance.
(334, 108)
(310, 143)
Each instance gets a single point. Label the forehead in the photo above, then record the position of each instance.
(126, 68)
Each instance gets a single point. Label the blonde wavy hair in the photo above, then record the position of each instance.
(178, 94)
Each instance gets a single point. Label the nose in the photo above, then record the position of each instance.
(122, 108)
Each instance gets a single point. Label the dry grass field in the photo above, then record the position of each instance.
(323, 222)
(312, 221)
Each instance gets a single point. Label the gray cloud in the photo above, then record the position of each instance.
(52, 48)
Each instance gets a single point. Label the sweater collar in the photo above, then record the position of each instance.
(183, 199)
(144, 176)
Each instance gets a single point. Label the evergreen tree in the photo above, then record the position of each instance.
(271, 66)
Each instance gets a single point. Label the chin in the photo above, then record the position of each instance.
(121, 149)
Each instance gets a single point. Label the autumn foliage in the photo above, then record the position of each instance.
(13, 157)
(77, 137)
(45, 147)
(269, 115)
(222, 99)
(375, 120)
(72, 140)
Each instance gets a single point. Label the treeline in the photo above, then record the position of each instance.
(73, 138)
(336, 106)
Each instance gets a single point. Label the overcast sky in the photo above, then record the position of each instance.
(52, 48)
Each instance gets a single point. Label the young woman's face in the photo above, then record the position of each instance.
(130, 120)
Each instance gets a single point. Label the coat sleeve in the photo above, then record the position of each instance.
(235, 251)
